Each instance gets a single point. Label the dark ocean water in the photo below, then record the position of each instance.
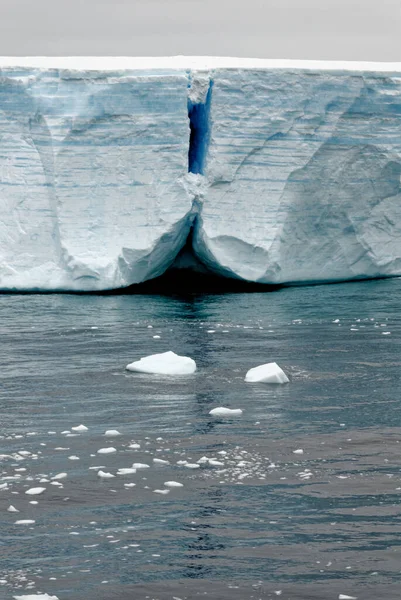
(266, 522)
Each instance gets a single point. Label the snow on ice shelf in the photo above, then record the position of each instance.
(284, 171)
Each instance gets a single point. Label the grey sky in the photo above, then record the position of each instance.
(309, 29)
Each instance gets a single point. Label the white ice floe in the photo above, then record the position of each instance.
(12, 508)
(105, 475)
(126, 471)
(134, 446)
(160, 461)
(222, 411)
(111, 432)
(35, 597)
(345, 597)
(79, 428)
(25, 522)
(167, 363)
(35, 491)
(172, 484)
(267, 373)
(298, 451)
(59, 476)
(109, 450)
(161, 491)
(140, 466)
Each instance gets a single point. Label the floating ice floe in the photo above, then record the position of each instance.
(108, 450)
(59, 476)
(160, 461)
(126, 471)
(166, 363)
(35, 491)
(140, 466)
(112, 432)
(25, 522)
(172, 484)
(35, 597)
(298, 451)
(105, 475)
(12, 508)
(267, 373)
(79, 428)
(345, 597)
(221, 411)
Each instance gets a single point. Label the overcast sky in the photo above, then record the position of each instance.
(309, 29)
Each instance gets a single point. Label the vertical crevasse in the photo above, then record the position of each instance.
(199, 101)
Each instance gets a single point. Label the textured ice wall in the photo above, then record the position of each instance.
(92, 177)
(294, 170)
(303, 170)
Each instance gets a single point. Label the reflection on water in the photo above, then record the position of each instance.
(259, 519)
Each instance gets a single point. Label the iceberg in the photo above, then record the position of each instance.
(166, 363)
(267, 373)
(114, 170)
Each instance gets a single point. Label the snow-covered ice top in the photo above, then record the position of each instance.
(166, 363)
(267, 373)
(198, 63)
(285, 171)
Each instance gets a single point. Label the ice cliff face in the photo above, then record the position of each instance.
(287, 173)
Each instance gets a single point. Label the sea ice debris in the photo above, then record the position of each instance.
(108, 450)
(105, 475)
(172, 484)
(166, 363)
(222, 411)
(35, 491)
(267, 373)
(35, 597)
(79, 428)
(111, 432)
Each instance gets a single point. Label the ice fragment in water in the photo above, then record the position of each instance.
(140, 466)
(267, 373)
(221, 411)
(105, 475)
(79, 428)
(12, 508)
(108, 450)
(35, 491)
(167, 363)
(172, 484)
(35, 597)
(112, 432)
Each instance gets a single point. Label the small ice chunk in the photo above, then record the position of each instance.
(105, 475)
(108, 450)
(134, 446)
(267, 373)
(161, 491)
(159, 461)
(35, 597)
(172, 484)
(59, 476)
(79, 428)
(345, 597)
(215, 463)
(129, 485)
(298, 451)
(35, 491)
(221, 411)
(24, 522)
(111, 432)
(166, 363)
(140, 466)
(189, 465)
(73, 457)
(12, 508)
(126, 471)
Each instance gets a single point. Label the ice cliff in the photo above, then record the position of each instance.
(283, 171)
